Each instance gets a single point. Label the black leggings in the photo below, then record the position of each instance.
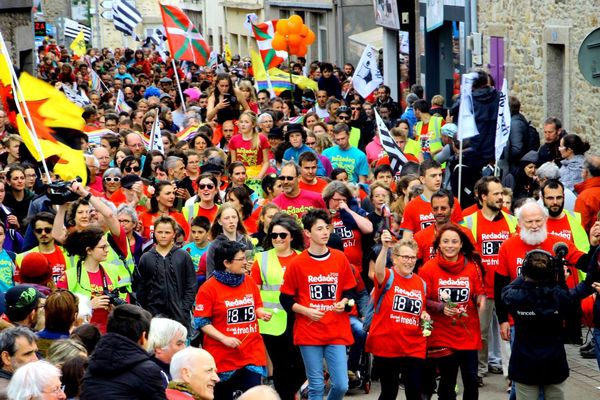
(467, 361)
(389, 370)
(288, 368)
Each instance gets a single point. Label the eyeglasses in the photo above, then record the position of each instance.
(103, 247)
(244, 259)
(344, 117)
(125, 221)
(56, 390)
(132, 169)
(275, 235)
(286, 178)
(209, 186)
(44, 230)
(112, 179)
(406, 258)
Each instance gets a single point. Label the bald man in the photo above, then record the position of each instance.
(261, 392)
(194, 373)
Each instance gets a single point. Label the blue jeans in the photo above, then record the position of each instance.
(335, 357)
(360, 337)
(596, 333)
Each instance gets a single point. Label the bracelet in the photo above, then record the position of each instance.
(88, 196)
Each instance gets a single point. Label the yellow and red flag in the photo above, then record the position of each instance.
(185, 42)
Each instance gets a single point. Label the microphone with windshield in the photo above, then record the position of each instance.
(560, 250)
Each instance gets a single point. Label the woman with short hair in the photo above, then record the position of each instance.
(34, 381)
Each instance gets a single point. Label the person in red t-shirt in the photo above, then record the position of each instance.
(227, 308)
(318, 286)
(455, 297)
(395, 336)
(417, 213)
(347, 222)
(161, 203)
(308, 173)
(442, 204)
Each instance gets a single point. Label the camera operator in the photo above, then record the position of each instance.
(83, 211)
(539, 301)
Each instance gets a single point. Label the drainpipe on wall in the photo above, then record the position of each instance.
(339, 21)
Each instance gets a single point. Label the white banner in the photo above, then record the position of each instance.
(367, 77)
(503, 124)
(466, 119)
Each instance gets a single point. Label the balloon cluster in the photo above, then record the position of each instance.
(293, 36)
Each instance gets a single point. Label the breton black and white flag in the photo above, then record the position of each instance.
(126, 17)
(75, 97)
(72, 29)
(397, 157)
(367, 76)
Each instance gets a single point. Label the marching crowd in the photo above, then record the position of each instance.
(270, 233)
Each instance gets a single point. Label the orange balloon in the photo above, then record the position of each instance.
(294, 40)
(303, 30)
(293, 49)
(301, 52)
(279, 42)
(295, 24)
(310, 38)
(282, 27)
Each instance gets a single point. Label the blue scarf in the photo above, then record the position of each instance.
(229, 279)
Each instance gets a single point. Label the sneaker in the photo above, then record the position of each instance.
(588, 346)
(494, 369)
(509, 387)
(589, 354)
(479, 381)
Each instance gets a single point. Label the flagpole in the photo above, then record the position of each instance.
(460, 156)
(178, 85)
(17, 86)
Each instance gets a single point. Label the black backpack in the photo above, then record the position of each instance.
(533, 138)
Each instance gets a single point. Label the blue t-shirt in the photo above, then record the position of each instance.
(195, 252)
(7, 271)
(293, 154)
(352, 160)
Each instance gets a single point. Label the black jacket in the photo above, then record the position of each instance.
(483, 146)
(538, 354)
(518, 140)
(550, 152)
(166, 286)
(121, 369)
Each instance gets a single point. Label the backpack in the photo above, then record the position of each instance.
(533, 138)
(373, 308)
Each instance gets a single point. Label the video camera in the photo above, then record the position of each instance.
(60, 192)
(541, 266)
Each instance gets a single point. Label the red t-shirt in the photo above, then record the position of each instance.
(560, 227)
(57, 261)
(283, 261)
(232, 311)
(426, 237)
(319, 284)
(244, 151)
(351, 238)
(317, 187)
(489, 237)
(470, 210)
(463, 287)
(99, 315)
(147, 219)
(209, 213)
(396, 329)
(418, 214)
(299, 205)
(512, 253)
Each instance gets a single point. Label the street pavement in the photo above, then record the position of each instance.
(583, 383)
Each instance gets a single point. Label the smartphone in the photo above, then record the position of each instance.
(227, 97)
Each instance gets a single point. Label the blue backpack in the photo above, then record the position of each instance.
(374, 308)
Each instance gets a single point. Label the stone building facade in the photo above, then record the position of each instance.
(17, 30)
(539, 41)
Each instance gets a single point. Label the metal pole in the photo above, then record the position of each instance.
(178, 85)
(460, 170)
(97, 24)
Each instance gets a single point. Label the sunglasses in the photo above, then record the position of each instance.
(286, 178)
(112, 179)
(130, 169)
(275, 235)
(206, 186)
(355, 108)
(40, 230)
(148, 122)
(344, 117)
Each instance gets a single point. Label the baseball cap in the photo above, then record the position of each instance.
(166, 80)
(35, 268)
(21, 300)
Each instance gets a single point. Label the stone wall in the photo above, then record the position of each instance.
(541, 46)
(17, 30)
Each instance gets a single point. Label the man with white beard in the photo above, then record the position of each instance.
(533, 235)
